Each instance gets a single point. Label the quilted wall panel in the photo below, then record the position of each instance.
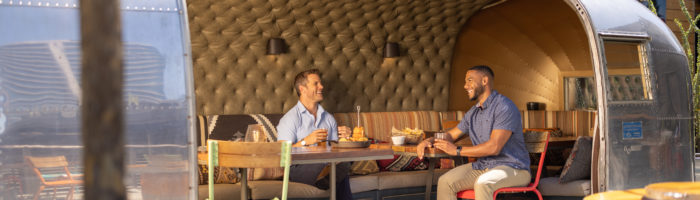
(342, 38)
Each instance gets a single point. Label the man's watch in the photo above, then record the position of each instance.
(303, 142)
(459, 150)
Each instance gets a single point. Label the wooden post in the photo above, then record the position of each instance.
(101, 101)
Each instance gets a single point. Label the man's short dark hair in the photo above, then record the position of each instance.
(301, 78)
(483, 69)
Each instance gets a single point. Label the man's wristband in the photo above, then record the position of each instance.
(459, 150)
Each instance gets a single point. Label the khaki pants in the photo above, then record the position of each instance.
(484, 182)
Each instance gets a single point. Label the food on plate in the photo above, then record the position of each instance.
(358, 135)
(413, 136)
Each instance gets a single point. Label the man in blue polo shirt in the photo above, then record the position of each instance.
(495, 129)
(308, 124)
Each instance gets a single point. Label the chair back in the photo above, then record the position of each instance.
(249, 155)
(537, 142)
(54, 166)
(47, 162)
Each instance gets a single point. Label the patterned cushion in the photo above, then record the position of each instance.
(233, 127)
(221, 175)
(364, 167)
(447, 163)
(403, 163)
(578, 165)
(265, 173)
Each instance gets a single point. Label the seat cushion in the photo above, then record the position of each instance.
(269, 189)
(550, 186)
(364, 183)
(221, 191)
(391, 180)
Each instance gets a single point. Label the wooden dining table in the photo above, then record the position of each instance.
(332, 155)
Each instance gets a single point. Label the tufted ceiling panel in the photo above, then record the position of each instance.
(528, 51)
(342, 38)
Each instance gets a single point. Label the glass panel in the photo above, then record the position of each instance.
(40, 81)
(580, 93)
(627, 71)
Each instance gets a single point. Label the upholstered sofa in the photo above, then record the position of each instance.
(379, 185)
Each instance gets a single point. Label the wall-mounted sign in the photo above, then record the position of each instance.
(632, 130)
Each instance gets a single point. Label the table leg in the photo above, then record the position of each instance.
(333, 181)
(429, 179)
(244, 183)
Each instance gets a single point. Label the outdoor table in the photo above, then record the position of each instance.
(332, 155)
(631, 194)
(664, 190)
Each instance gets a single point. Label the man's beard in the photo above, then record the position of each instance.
(477, 92)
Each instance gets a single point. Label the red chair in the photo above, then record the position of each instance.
(536, 142)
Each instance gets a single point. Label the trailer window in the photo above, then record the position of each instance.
(580, 93)
(626, 65)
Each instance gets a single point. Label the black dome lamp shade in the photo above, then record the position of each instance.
(391, 50)
(275, 46)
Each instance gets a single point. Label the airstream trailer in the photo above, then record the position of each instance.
(612, 60)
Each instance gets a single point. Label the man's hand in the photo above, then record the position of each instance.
(446, 146)
(344, 132)
(318, 135)
(420, 149)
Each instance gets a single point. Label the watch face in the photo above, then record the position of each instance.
(303, 143)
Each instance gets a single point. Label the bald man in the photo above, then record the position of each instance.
(495, 129)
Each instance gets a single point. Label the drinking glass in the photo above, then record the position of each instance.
(255, 133)
(441, 136)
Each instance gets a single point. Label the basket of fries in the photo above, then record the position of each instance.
(413, 136)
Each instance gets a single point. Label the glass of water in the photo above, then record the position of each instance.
(255, 133)
(441, 135)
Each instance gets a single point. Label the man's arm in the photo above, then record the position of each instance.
(492, 147)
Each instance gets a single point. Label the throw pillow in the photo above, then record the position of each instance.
(578, 165)
(221, 175)
(447, 163)
(265, 174)
(403, 163)
(364, 167)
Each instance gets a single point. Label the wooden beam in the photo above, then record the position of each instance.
(101, 102)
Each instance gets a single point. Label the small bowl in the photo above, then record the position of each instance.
(398, 140)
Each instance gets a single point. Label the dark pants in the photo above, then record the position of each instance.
(307, 174)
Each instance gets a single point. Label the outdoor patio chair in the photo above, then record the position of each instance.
(249, 155)
(536, 142)
(53, 172)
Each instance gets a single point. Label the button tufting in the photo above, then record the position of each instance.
(343, 38)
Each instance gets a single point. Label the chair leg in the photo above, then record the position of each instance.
(54, 194)
(539, 196)
(36, 195)
(70, 193)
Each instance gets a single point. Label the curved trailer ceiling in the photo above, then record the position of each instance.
(528, 44)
